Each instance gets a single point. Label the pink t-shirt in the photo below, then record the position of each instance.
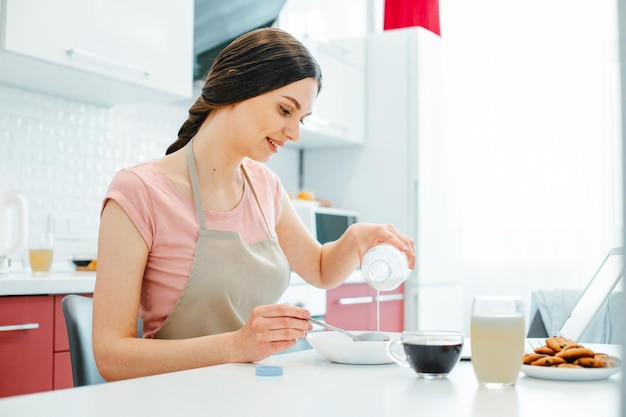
(167, 221)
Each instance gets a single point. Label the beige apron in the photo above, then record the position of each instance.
(228, 277)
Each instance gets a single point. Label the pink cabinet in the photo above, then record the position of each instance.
(34, 350)
(353, 307)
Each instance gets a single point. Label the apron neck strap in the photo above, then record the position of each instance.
(197, 196)
(195, 184)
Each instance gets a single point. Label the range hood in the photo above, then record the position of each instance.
(218, 22)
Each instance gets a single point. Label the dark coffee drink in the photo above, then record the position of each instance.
(433, 356)
(430, 353)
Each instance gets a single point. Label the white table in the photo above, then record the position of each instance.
(312, 386)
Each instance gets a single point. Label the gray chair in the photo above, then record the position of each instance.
(78, 312)
(550, 308)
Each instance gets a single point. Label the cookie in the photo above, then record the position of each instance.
(529, 358)
(570, 355)
(572, 346)
(557, 343)
(591, 362)
(545, 350)
(548, 361)
(568, 365)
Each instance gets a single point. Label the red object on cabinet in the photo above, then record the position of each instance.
(26, 337)
(353, 307)
(407, 13)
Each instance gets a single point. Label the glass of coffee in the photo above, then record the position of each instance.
(430, 353)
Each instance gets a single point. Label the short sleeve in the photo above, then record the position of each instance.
(129, 191)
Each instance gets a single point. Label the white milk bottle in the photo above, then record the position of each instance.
(384, 267)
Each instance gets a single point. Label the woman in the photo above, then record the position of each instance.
(200, 242)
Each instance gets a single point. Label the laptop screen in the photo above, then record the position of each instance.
(596, 293)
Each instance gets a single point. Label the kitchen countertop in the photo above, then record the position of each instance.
(68, 281)
(57, 282)
(312, 386)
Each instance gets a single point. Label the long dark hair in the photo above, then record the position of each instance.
(253, 64)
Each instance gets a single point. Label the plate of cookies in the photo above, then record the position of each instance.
(564, 359)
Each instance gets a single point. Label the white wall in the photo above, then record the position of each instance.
(532, 123)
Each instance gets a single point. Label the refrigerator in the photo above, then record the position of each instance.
(395, 176)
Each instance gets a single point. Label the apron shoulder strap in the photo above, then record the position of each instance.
(245, 174)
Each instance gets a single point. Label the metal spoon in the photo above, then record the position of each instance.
(363, 337)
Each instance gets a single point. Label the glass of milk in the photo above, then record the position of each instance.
(497, 337)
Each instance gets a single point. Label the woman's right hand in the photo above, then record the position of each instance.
(270, 329)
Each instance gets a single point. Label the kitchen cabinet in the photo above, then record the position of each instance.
(34, 349)
(338, 117)
(103, 52)
(62, 365)
(26, 336)
(353, 307)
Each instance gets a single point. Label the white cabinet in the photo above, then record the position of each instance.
(338, 115)
(99, 51)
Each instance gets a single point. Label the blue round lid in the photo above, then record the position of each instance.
(269, 370)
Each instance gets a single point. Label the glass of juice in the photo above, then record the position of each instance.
(40, 254)
(497, 337)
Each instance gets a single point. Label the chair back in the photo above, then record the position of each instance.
(77, 310)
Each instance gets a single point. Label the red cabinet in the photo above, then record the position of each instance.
(62, 371)
(34, 350)
(62, 365)
(353, 307)
(26, 340)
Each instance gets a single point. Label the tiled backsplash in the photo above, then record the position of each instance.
(61, 155)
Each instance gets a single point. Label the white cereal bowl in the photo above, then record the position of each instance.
(339, 348)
